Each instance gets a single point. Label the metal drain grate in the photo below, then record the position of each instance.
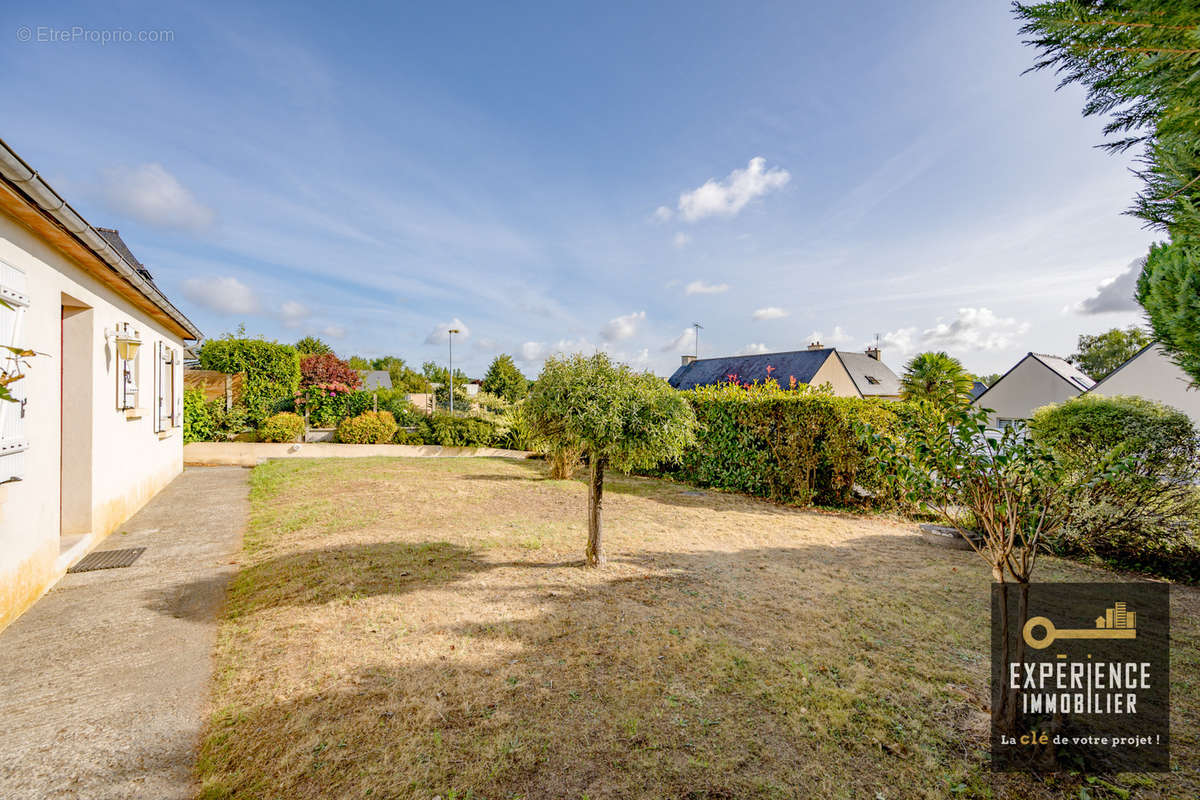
(108, 559)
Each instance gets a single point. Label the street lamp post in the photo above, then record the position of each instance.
(452, 331)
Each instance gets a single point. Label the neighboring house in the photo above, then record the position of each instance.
(847, 374)
(977, 388)
(1151, 374)
(373, 379)
(1036, 380)
(98, 429)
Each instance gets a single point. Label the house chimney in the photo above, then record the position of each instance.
(815, 346)
(687, 360)
(873, 352)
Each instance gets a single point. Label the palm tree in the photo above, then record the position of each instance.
(937, 377)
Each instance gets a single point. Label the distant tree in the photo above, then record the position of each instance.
(1169, 290)
(1099, 355)
(938, 378)
(503, 379)
(327, 368)
(613, 416)
(312, 346)
(435, 373)
(358, 362)
(989, 379)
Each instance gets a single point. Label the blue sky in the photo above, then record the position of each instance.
(564, 176)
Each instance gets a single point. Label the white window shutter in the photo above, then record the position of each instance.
(176, 389)
(159, 387)
(13, 441)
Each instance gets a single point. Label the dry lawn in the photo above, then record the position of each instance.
(408, 628)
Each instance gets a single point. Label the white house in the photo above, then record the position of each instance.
(98, 429)
(1034, 381)
(1151, 374)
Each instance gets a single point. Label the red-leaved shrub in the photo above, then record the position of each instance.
(327, 368)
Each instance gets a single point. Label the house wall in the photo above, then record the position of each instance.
(1030, 385)
(834, 373)
(1153, 376)
(114, 461)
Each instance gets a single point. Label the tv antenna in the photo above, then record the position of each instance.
(697, 326)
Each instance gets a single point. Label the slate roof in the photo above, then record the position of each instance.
(373, 379)
(113, 237)
(872, 377)
(801, 364)
(1067, 370)
(977, 389)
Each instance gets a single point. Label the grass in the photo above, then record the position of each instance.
(414, 628)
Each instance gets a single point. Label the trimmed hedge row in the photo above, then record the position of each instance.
(793, 446)
(272, 370)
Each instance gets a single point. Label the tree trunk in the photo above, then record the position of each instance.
(595, 547)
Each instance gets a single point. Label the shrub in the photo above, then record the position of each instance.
(1147, 517)
(282, 427)
(198, 422)
(326, 368)
(272, 370)
(326, 404)
(370, 427)
(456, 431)
(795, 446)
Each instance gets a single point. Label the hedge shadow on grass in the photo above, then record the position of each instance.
(762, 672)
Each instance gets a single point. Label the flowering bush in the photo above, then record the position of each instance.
(326, 404)
(327, 369)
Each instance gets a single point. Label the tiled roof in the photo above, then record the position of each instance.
(799, 364)
(375, 379)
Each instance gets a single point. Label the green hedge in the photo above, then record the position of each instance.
(1148, 518)
(456, 431)
(794, 446)
(272, 371)
(198, 422)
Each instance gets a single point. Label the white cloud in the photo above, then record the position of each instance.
(770, 312)
(293, 313)
(333, 331)
(902, 340)
(838, 336)
(1115, 294)
(754, 349)
(682, 342)
(156, 197)
(700, 287)
(440, 333)
(974, 329)
(663, 214)
(225, 295)
(726, 198)
(533, 351)
(681, 240)
(624, 327)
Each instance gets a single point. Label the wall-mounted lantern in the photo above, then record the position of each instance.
(127, 343)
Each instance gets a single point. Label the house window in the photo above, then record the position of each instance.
(1009, 422)
(871, 379)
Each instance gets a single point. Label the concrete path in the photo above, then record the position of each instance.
(105, 681)
(249, 454)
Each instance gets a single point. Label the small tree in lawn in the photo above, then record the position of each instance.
(1006, 487)
(613, 416)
